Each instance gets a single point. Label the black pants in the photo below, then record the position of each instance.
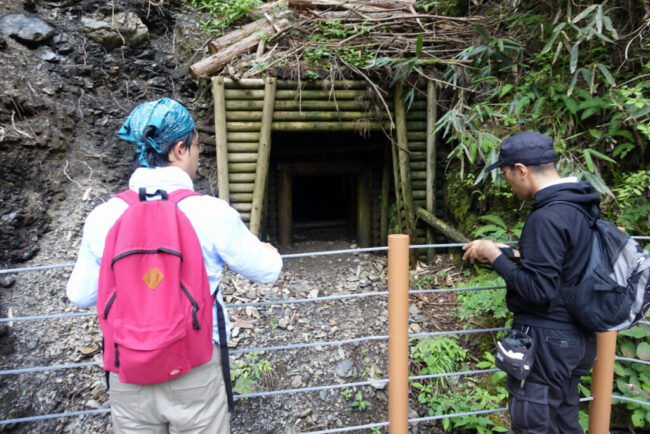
(548, 402)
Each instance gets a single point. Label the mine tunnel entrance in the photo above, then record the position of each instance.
(325, 187)
(322, 206)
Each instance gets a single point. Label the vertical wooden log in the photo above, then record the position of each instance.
(432, 118)
(398, 190)
(385, 190)
(398, 340)
(219, 97)
(284, 208)
(263, 154)
(405, 173)
(364, 209)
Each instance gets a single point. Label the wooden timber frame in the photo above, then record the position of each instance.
(247, 111)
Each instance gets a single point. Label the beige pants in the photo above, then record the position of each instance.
(193, 403)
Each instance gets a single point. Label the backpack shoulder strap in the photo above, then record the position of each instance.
(591, 219)
(178, 195)
(129, 196)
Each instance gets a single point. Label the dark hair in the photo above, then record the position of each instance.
(161, 159)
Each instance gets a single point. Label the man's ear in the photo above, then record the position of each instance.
(521, 170)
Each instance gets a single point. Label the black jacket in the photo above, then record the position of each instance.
(554, 246)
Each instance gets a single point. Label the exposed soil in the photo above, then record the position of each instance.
(61, 103)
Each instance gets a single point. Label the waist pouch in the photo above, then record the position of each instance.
(516, 355)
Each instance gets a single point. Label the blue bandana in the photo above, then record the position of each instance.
(170, 119)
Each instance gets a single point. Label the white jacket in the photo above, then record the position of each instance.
(223, 236)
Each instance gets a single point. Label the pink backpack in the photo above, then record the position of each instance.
(153, 300)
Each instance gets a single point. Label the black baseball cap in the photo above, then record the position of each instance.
(529, 148)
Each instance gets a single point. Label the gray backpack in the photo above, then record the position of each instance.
(613, 294)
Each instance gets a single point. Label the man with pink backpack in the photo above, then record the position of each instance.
(151, 260)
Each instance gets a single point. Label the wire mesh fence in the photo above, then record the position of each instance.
(297, 346)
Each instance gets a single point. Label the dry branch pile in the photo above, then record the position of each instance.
(337, 39)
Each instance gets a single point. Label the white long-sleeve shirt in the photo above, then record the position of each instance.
(223, 236)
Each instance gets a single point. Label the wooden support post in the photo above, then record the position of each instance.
(364, 209)
(284, 208)
(602, 378)
(263, 155)
(398, 191)
(405, 173)
(432, 118)
(398, 342)
(218, 95)
(385, 191)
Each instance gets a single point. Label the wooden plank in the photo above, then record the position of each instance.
(242, 188)
(419, 175)
(328, 126)
(244, 126)
(241, 197)
(242, 157)
(263, 156)
(326, 116)
(243, 147)
(247, 115)
(220, 137)
(416, 135)
(417, 165)
(242, 206)
(242, 177)
(306, 105)
(293, 84)
(242, 137)
(242, 167)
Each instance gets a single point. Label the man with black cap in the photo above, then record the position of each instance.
(553, 253)
(166, 376)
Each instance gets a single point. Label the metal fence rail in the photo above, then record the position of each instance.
(335, 297)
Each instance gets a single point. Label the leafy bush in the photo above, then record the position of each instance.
(632, 378)
(225, 13)
(446, 396)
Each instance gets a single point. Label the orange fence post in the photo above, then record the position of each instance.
(602, 379)
(398, 339)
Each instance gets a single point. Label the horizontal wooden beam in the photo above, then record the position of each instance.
(242, 206)
(258, 83)
(242, 137)
(241, 188)
(242, 157)
(309, 105)
(242, 167)
(242, 147)
(241, 197)
(241, 177)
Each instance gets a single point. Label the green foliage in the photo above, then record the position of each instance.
(355, 401)
(563, 81)
(225, 13)
(246, 375)
(444, 355)
(489, 303)
(633, 200)
(633, 379)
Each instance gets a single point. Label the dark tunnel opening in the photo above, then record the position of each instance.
(323, 206)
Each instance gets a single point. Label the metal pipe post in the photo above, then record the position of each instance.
(398, 321)
(602, 379)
